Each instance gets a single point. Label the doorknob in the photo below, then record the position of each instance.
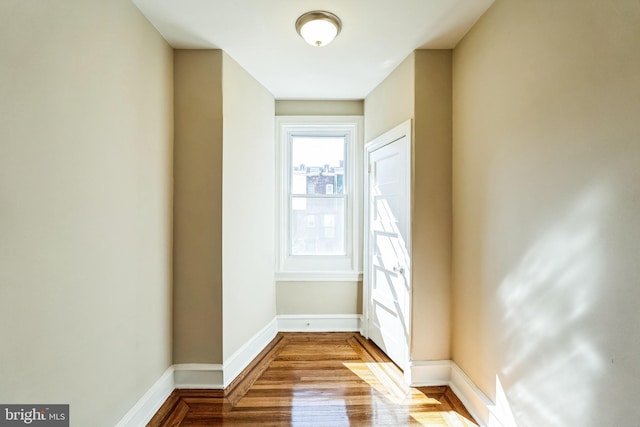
(399, 269)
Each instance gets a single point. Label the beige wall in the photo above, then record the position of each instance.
(391, 102)
(420, 89)
(319, 107)
(248, 205)
(85, 206)
(319, 297)
(197, 313)
(224, 127)
(546, 207)
(431, 216)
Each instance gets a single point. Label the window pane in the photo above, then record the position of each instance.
(317, 226)
(317, 165)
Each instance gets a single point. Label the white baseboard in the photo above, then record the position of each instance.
(319, 322)
(428, 373)
(447, 372)
(198, 376)
(476, 402)
(142, 412)
(216, 376)
(241, 358)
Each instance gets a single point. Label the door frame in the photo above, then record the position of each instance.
(398, 132)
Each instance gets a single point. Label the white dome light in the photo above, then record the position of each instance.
(318, 28)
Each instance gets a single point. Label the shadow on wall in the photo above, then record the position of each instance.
(552, 365)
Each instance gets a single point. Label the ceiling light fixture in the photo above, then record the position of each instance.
(318, 28)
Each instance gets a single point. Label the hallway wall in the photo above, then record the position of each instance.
(197, 251)
(224, 207)
(420, 89)
(86, 130)
(546, 201)
(248, 206)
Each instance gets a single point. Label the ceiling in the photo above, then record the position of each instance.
(260, 35)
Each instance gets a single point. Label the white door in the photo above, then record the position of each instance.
(387, 276)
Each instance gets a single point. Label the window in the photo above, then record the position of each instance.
(319, 205)
(318, 214)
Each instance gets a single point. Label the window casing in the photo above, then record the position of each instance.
(319, 208)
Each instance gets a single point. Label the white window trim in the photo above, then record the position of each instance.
(319, 267)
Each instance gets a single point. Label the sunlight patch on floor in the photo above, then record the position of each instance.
(387, 379)
(441, 419)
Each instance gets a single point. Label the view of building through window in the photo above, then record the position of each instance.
(317, 195)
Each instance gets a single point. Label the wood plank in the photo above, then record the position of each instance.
(240, 385)
(317, 379)
(165, 410)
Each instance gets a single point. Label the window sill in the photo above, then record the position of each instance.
(319, 276)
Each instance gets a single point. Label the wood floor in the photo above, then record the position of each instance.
(316, 379)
